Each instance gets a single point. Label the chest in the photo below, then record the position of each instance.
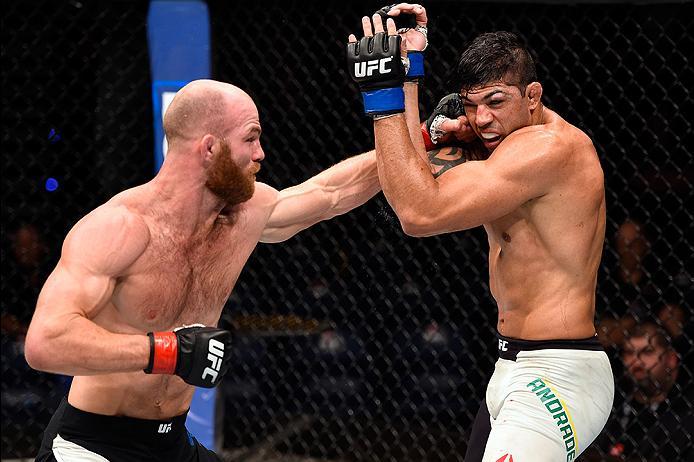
(179, 282)
(509, 231)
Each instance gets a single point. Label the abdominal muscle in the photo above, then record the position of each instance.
(538, 299)
(132, 394)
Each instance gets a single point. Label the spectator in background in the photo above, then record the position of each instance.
(612, 329)
(635, 291)
(23, 275)
(635, 276)
(632, 246)
(673, 318)
(655, 421)
(28, 396)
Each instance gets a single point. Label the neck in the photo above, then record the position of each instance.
(181, 191)
(538, 116)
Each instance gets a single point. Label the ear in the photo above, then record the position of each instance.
(206, 149)
(672, 359)
(534, 93)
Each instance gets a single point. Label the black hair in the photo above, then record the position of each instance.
(652, 329)
(495, 56)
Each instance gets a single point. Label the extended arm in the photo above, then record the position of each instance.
(62, 338)
(332, 192)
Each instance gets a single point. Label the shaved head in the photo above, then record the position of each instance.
(203, 107)
(215, 128)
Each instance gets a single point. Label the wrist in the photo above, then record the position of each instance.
(416, 69)
(163, 353)
(385, 116)
(384, 101)
(428, 143)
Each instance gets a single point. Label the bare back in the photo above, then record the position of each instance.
(544, 256)
(177, 280)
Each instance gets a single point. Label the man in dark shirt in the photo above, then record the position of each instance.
(655, 420)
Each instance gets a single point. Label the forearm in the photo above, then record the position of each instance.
(78, 346)
(332, 192)
(405, 177)
(349, 183)
(411, 90)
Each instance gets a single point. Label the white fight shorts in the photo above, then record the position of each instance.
(546, 401)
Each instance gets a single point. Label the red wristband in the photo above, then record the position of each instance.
(165, 353)
(428, 144)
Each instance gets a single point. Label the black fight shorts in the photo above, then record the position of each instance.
(75, 435)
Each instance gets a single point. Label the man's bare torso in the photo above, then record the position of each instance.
(182, 277)
(544, 256)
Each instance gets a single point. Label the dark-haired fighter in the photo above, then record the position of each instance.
(540, 196)
(140, 276)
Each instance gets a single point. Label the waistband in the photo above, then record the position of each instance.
(98, 427)
(509, 348)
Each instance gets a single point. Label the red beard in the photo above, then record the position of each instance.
(227, 180)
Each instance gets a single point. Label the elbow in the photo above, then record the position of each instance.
(414, 224)
(37, 350)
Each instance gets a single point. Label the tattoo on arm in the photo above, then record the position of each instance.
(444, 159)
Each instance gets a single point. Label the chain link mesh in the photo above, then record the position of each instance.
(355, 342)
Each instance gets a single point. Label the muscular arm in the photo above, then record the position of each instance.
(62, 337)
(411, 90)
(472, 193)
(332, 192)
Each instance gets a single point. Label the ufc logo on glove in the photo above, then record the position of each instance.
(195, 353)
(374, 63)
(367, 68)
(215, 356)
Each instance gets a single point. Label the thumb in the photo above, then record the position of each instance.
(451, 125)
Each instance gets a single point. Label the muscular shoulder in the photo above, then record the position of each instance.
(556, 145)
(264, 195)
(107, 240)
(259, 207)
(534, 150)
(545, 138)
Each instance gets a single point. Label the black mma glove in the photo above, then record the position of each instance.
(449, 107)
(199, 355)
(403, 22)
(375, 64)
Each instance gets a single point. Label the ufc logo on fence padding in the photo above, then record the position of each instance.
(367, 68)
(215, 355)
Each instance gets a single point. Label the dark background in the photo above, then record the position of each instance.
(400, 372)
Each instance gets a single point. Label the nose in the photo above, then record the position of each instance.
(483, 116)
(258, 153)
(629, 360)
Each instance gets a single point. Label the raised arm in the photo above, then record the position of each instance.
(472, 193)
(332, 192)
(61, 337)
